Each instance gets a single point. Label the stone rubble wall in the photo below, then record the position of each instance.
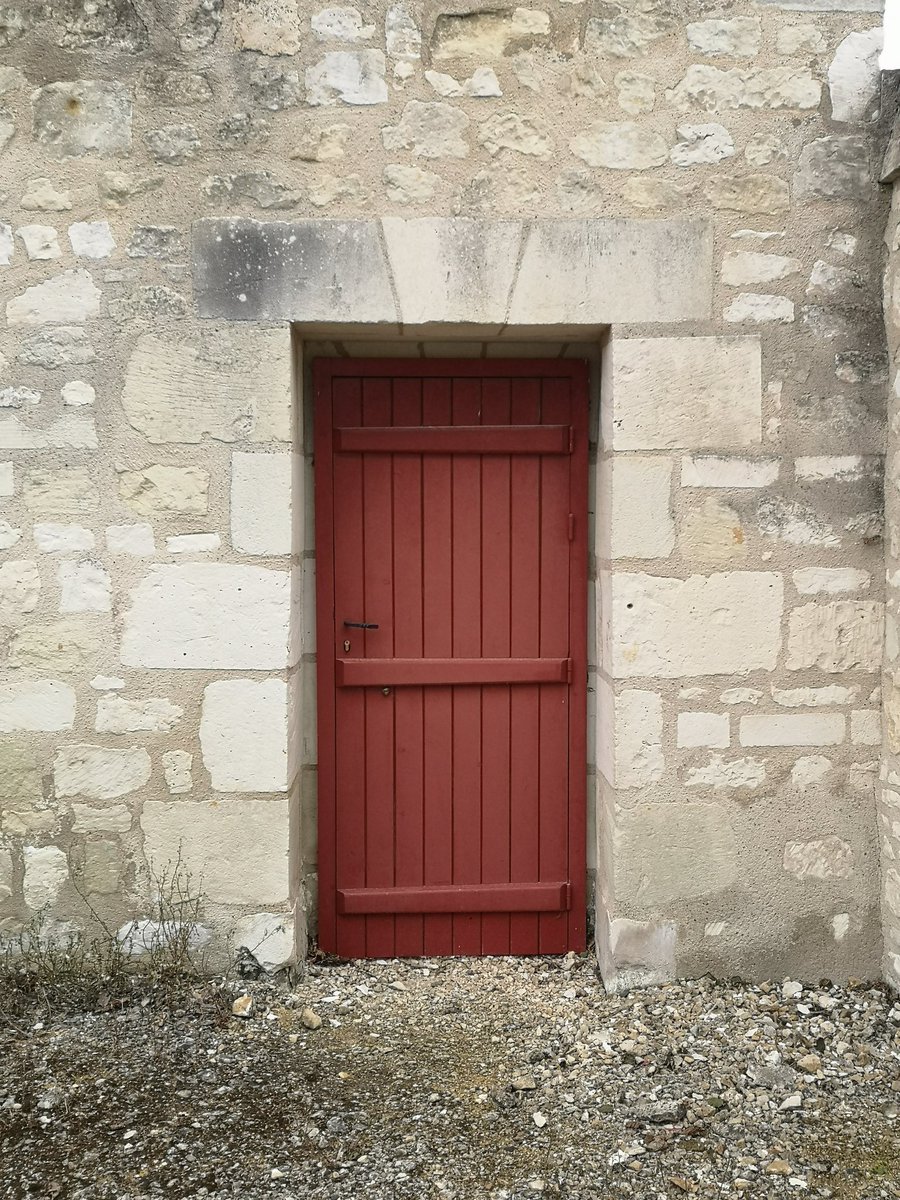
(701, 182)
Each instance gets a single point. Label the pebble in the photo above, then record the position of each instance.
(311, 1019)
(242, 1007)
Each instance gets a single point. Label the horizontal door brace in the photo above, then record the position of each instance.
(424, 672)
(450, 898)
(454, 439)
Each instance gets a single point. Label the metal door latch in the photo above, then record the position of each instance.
(359, 625)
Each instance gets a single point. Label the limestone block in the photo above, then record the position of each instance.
(115, 714)
(483, 83)
(52, 538)
(6, 875)
(323, 144)
(208, 616)
(622, 146)
(193, 543)
(711, 531)
(20, 778)
(668, 393)
(697, 853)
(596, 271)
(713, 471)
(737, 37)
(854, 75)
(236, 387)
(749, 193)
(84, 587)
(452, 269)
(703, 729)
(292, 271)
(510, 131)
(810, 771)
(626, 30)
(275, 87)
(235, 849)
(826, 857)
(799, 40)
(409, 185)
(487, 34)
(846, 468)
(62, 346)
(635, 92)
(639, 524)
(46, 874)
(835, 168)
(703, 625)
(64, 646)
(41, 196)
(745, 266)
(102, 869)
(7, 245)
(114, 818)
(714, 89)
(164, 489)
(429, 129)
(635, 953)
(91, 239)
(98, 773)
(843, 636)
(173, 144)
(68, 491)
(177, 769)
(268, 936)
(9, 536)
(20, 588)
(794, 523)
(243, 735)
(42, 706)
(133, 540)
(793, 729)
(40, 241)
(18, 397)
(83, 117)
(814, 697)
(341, 24)
(272, 28)
(701, 145)
(755, 308)
(350, 189)
(66, 299)
(70, 431)
(353, 77)
(402, 35)
(630, 750)
(865, 727)
(261, 509)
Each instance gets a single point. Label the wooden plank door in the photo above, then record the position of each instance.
(451, 506)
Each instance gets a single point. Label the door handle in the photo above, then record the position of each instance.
(359, 625)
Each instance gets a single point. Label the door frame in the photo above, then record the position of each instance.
(324, 370)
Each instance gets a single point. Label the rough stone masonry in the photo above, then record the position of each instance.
(196, 194)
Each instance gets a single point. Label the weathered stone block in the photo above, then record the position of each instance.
(835, 168)
(99, 773)
(261, 509)
(702, 625)
(102, 867)
(695, 729)
(668, 393)
(116, 714)
(351, 76)
(430, 130)
(620, 145)
(66, 299)
(233, 387)
(208, 616)
(713, 471)
(843, 636)
(821, 858)
(487, 34)
(84, 587)
(635, 953)
(272, 28)
(713, 89)
(41, 705)
(46, 874)
(165, 489)
(697, 853)
(243, 735)
(853, 76)
(83, 117)
(637, 496)
(66, 492)
(114, 818)
(20, 588)
(236, 850)
(793, 729)
(177, 769)
(64, 646)
(268, 936)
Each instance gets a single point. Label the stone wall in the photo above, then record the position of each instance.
(693, 186)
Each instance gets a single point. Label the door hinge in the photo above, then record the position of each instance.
(571, 527)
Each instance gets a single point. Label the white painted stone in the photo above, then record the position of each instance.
(640, 523)
(341, 25)
(66, 299)
(702, 145)
(91, 239)
(620, 145)
(668, 393)
(737, 37)
(793, 729)
(827, 857)
(177, 769)
(758, 309)
(116, 714)
(7, 479)
(40, 241)
(810, 771)
(743, 267)
(243, 735)
(74, 431)
(353, 77)
(84, 587)
(703, 625)
(40, 706)
(814, 697)
(715, 471)
(193, 543)
(114, 818)
(261, 508)
(136, 540)
(239, 388)
(238, 847)
(20, 587)
(51, 538)
(208, 616)
(741, 695)
(843, 636)
(865, 727)
(268, 936)
(78, 393)
(46, 874)
(165, 489)
(703, 729)
(847, 468)
(99, 773)
(727, 774)
(853, 76)
(7, 247)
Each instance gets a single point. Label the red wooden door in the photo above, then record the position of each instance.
(451, 502)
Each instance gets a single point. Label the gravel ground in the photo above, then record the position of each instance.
(459, 1078)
